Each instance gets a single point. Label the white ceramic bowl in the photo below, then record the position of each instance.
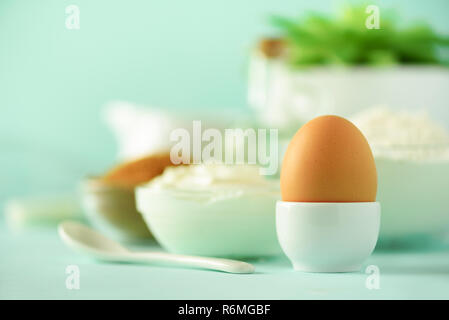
(202, 223)
(112, 210)
(327, 237)
(414, 197)
(285, 96)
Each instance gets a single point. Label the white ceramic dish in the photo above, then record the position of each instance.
(112, 210)
(284, 96)
(202, 223)
(327, 237)
(414, 197)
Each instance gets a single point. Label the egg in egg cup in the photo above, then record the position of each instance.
(328, 219)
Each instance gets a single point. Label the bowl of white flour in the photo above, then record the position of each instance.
(412, 158)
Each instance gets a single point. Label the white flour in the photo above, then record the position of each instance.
(403, 135)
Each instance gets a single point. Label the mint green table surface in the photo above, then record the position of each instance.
(33, 263)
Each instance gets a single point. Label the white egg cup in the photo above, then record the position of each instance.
(327, 236)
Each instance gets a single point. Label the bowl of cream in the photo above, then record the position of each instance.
(212, 209)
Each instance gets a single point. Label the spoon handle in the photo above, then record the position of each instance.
(225, 265)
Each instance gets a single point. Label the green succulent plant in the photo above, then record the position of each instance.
(344, 40)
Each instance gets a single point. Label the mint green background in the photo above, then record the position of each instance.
(174, 54)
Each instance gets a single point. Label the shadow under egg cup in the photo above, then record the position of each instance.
(327, 236)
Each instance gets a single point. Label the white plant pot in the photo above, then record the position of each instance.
(284, 96)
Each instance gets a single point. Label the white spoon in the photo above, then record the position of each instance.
(84, 239)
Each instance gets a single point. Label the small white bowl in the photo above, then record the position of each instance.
(327, 237)
(414, 197)
(230, 224)
(112, 209)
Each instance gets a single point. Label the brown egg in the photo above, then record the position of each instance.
(328, 160)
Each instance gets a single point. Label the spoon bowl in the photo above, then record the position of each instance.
(85, 239)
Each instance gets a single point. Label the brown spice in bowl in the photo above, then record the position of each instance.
(130, 174)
